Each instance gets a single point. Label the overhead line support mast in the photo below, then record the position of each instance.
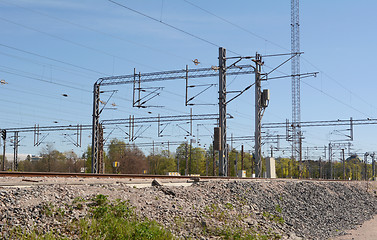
(295, 70)
(222, 70)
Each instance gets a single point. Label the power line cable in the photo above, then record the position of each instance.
(55, 60)
(341, 85)
(237, 26)
(278, 45)
(76, 43)
(100, 32)
(168, 25)
(56, 67)
(334, 98)
(42, 80)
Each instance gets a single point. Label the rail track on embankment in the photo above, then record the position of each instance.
(25, 179)
(142, 176)
(308, 208)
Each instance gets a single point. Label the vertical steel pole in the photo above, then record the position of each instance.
(133, 92)
(190, 158)
(235, 164)
(139, 99)
(158, 126)
(373, 167)
(365, 166)
(344, 166)
(301, 167)
(95, 128)
(15, 153)
(330, 160)
(213, 159)
(258, 117)
(186, 85)
(242, 154)
(191, 122)
(186, 158)
(207, 163)
(223, 152)
(100, 160)
(4, 140)
(319, 168)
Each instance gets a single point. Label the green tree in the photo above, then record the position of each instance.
(87, 156)
(192, 158)
(161, 163)
(131, 159)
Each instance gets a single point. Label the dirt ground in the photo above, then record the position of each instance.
(367, 231)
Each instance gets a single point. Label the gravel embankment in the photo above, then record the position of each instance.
(291, 209)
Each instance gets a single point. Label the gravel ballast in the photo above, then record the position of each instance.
(287, 209)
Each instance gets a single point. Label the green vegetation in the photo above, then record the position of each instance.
(273, 217)
(117, 220)
(132, 160)
(106, 220)
(231, 222)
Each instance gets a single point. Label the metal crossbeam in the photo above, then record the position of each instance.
(339, 122)
(176, 118)
(174, 75)
(50, 128)
(151, 144)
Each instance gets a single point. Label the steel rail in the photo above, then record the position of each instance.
(147, 176)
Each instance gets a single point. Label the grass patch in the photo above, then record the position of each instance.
(106, 220)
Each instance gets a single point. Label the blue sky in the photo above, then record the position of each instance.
(49, 48)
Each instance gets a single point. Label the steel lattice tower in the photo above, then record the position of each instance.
(296, 108)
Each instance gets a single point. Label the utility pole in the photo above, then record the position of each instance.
(213, 159)
(186, 158)
(235, 164)
(242, 166)
(228, 165)
(320, 167)
(330, 159)
(190, 160)
(95, 128)
(223, 152)
(258, 116)
(207, 163)
(373, 167)
(177, 164)
(4, 137)
(365, 166)
(344, 166)
(15, 151)
(300, 155)
(101, 163)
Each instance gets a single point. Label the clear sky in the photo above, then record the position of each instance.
(49, 48)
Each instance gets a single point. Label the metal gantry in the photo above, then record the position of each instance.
(326, 123)
(295, 71)
(258, 116)
(223, 148)
(184, 74)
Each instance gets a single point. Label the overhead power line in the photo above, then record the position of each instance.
(100, 32)
(53, 59)
(76, 43)
(237, 26)
(341, 85)
(334, 98)
(282, 47)
(169, 25)
(42, 80)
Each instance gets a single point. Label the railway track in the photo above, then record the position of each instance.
(141, 176)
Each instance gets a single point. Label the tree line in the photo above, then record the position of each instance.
(188, 159)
